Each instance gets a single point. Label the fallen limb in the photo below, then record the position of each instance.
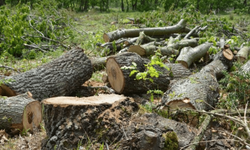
(189, 55)
(143, 38)
(191, 32)
(10, 68)
(161, 31)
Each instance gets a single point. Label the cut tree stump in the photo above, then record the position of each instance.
(118, 68)
(69, 120)
(20, 112)
(59, 77)
(199, 91)
(223, 61)
(189, 55)
(160, 31)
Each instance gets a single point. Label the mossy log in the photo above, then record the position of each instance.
(70, 120)
(223, 61)
(118, 68)
(59, 77)
(189, 55)
(160, 31)
(20, 112)
(199, 91)
(243, 53)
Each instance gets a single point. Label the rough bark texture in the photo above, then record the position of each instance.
(178, 71)
(198, 91)
(189, 55)
(161, 31)
(121, 81)
(20, 112)
(218, 65)
(69, 120)
(59, 77)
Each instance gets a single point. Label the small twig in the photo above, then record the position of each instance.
(35, 46)
(191, 32)
(34, 27)
(10, 68)
(107, 146)
(124, 133)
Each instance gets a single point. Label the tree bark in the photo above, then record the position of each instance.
(246, 67)
(178, 71)
(223, 61)
(59, 77)
(114, 35)
(189, 55)
(69, 120)
(243, 53)
(121, 81)
(199, 91)
(20, 112)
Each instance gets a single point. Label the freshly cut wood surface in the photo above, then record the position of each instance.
(20, 112)
(69, 120)
(118, 68)
(57, 78)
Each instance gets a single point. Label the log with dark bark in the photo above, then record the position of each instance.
(20, 112)
(243, 53)
(118, 68)
(199, 91)
(189, 55)
(160, 31)
(223, 61)
(69, 120)
(59, 77)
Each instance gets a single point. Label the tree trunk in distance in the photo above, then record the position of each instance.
(243, 53)
(189, 55)
(199, 91)
(160, 31)
(118, 68)
(59, 77)
(20, 112)
(69, 120)
(223, 61)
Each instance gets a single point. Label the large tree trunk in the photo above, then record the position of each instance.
(118, 68)
(20, 112)
(189, 55)
(161, 31)
(198, 91)
(59, 77)
(69, 120)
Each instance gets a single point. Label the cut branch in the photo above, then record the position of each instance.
(161, 31)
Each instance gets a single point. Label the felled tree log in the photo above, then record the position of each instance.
(119, 67)
(59, 77)
(189, 55)
(98, 63)
(178, 71)
(161, 31)
(243, 53)
(147, 50)
(20, 112)
(69, 120)
(222, 62)
(199, 91)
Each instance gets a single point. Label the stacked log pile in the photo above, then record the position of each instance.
(115, 118)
